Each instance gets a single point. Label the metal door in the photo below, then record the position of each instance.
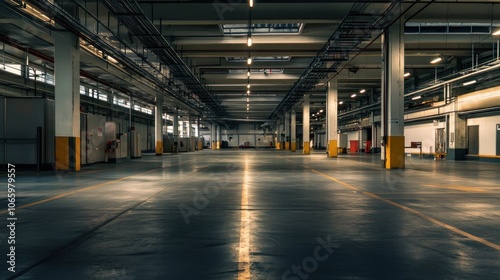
(473, 140)
(440, 141)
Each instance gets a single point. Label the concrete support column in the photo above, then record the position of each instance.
(331, 119)
(176, 126)
(67, 101)
(159, 125)
(393, 63)
(306, 130)
(374, 133)
(189, 126)
(25, 73)
(219, 137)
(189, 133)
(293, 132)
(213, 137)
(278, 135)
(198, 135)
(287, 131)
(457, 144)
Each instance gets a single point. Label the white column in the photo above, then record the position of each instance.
(176, 126)
(278, 135)
(219, 137)
(331, 119)
(287, 131)
(213, 137)
(393, 96)
(293, 132)
(67, 101)
(159, 125)
(306, 130)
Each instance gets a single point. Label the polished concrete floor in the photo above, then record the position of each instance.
(259, 215)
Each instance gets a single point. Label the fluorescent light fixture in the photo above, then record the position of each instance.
(112, 59)
(248, 86)
(242, 29)
(354, 95)
(417, 97)
(250, 3)
(248, 105)
(496, 32)
(436, 60)
(362, 91)
(321, 111)
(341, 102)
(469, 83)
(249, 73)
(249, 41)
(248, 92)
(407, 74)
(248, 99)
(248, 109)
(249, 61)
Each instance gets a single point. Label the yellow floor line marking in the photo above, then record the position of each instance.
(244, 248)
(413, 211)
(460, 188)
(78, 191)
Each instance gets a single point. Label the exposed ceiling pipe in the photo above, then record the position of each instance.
(357, 27)
(134, 18)
(73, 25)
(438, 85)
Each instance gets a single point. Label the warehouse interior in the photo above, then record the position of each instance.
(250, 139)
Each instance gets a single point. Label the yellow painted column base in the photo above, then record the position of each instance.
(214, 146)
(332, 149)
(218, 145)
(307, 148)
(200, 146)
(278, 146)
(68, 151)
(159, 148)
(287, 146)
(395, 152)
(293, 147)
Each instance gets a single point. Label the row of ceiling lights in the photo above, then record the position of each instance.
(249, 60)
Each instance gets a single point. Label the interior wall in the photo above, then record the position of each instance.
(487, 134)
(425, 133)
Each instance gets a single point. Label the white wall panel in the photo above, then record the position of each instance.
(487, 134)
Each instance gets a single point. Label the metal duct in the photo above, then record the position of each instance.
(479, 100)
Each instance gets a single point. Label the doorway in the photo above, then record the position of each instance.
(473, 140)
(440, 143)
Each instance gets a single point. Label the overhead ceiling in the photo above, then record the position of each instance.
(195, 31)
(195, 28)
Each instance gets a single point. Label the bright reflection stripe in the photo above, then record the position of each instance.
(413, 211)
(86, 188)
(77, 191)
(244, 248)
